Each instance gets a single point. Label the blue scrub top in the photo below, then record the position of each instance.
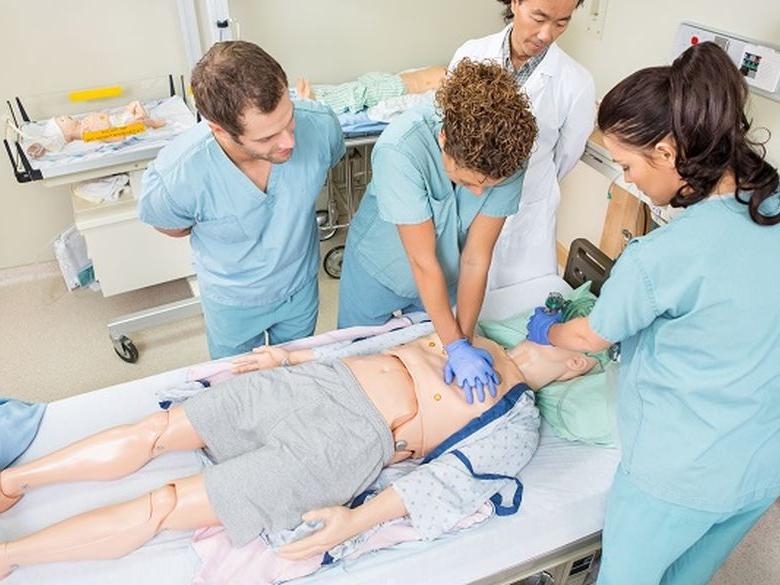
(409, 186)
(249, 247)
(696, 305)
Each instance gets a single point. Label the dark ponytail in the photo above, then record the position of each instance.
(700, 102)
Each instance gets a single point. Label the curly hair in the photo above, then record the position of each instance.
(488, 124)
(509, 15)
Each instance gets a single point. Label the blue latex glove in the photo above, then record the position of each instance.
(472, 368)
(539, 325)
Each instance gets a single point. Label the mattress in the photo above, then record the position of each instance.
(565, 492)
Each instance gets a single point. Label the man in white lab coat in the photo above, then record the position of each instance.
(563, 100)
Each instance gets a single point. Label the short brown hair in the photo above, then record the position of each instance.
(488, 124)
(233, 76)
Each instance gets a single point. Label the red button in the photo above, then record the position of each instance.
(694, 40)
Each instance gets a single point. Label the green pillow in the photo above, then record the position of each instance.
(582, 409)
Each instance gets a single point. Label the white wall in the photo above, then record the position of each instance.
(641, 33)
(52, 45)
(336, 40)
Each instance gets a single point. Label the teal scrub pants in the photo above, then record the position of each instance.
(365, 301)
(232, 330)
(648, 541)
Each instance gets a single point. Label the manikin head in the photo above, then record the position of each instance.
(536, 24)
(242, 92)
(488, 128)
(543, 364)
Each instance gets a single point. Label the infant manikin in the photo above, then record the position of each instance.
(61, 130)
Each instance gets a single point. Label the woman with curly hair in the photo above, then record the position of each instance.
(445, 177)
(563, 99)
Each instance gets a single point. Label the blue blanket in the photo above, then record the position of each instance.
(19, 422)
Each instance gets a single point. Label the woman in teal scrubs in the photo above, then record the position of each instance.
(695, 307)
(444, 180)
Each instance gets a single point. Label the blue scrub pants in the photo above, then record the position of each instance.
(648, 541)
(365, 301)
(232, 330)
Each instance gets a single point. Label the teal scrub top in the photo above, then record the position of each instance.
(696, 305)
(249, 247)
(409, 186)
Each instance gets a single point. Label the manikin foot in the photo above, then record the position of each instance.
(304, 89)
(6, 502)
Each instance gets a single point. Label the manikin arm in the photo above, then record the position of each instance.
(266, 357)
(271, 356)
(342, 523)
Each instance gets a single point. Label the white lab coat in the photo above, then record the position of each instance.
(563, 100)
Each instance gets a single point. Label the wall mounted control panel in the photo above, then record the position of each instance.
(758, 61)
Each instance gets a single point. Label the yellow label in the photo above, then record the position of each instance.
(96, 93)
(117, 132)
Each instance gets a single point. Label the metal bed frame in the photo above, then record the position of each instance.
(348, 179)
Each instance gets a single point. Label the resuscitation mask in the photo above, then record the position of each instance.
(573, 308)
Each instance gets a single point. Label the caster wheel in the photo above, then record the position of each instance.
(126, 349)
(333, 261)
(322, 220)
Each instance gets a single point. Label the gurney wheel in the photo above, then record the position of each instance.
(333, 261)
(323, 220)
(126, 349)
(325, 235)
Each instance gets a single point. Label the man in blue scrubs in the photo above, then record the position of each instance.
(242, 185)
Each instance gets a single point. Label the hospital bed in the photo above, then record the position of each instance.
(559, 521)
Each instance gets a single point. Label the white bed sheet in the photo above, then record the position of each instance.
(564, 497)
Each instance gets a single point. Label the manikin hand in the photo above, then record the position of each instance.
(338, 526)
(262, 358)
(472, 368)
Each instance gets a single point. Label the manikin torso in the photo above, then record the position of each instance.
(406, 385)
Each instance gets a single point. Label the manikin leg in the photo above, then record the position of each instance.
(110, 454)
(114, 531)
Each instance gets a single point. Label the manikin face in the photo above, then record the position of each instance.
(542, 364)
(652, 171)
(269, 137)
(474, 181)
(537, 23)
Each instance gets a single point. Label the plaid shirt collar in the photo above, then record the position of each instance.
(522, 74)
